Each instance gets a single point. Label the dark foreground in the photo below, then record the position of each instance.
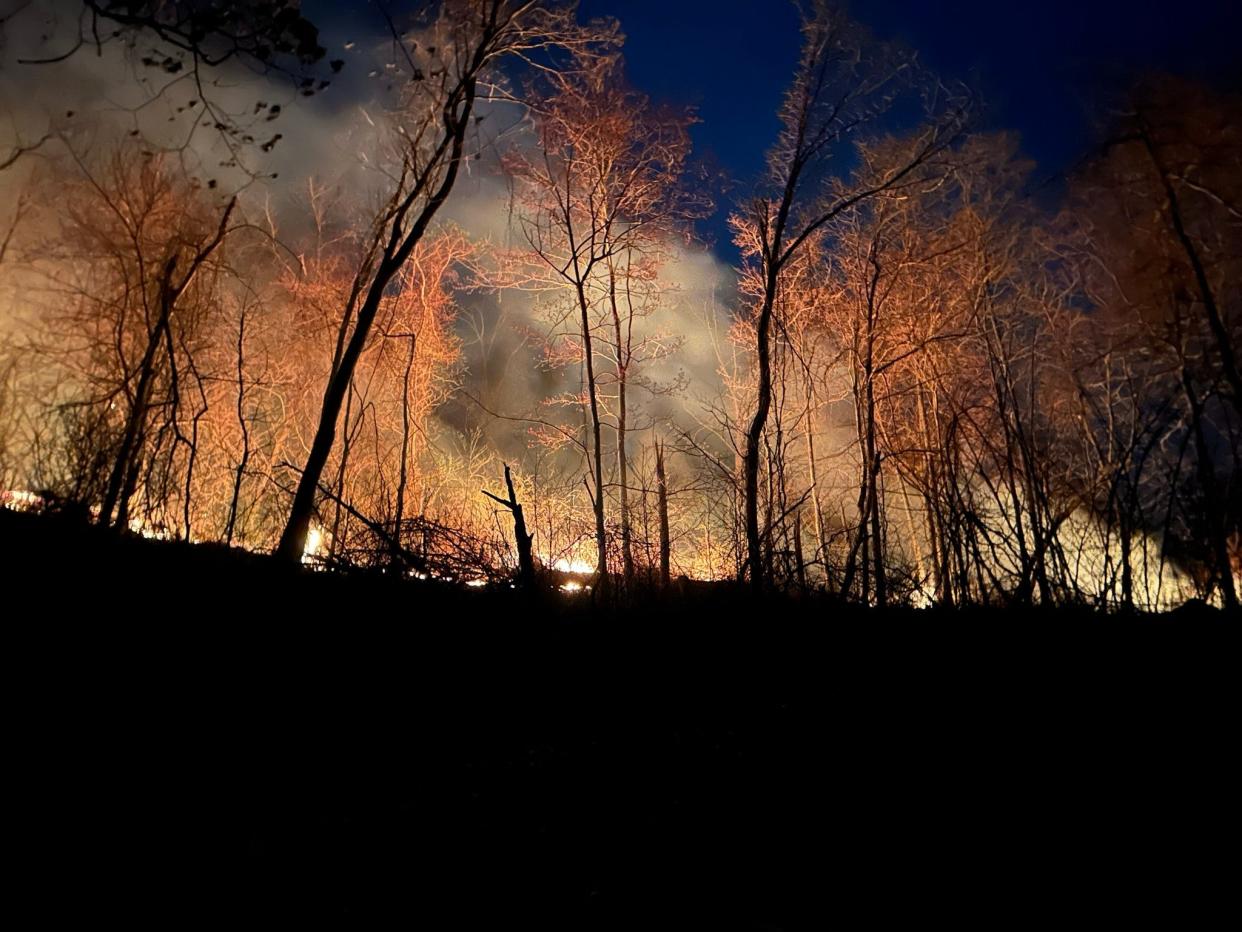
(190, 733)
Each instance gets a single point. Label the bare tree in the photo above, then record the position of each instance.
(601, 202)
(131, 269)
(464, 46)
(843, 81)
(521, 537)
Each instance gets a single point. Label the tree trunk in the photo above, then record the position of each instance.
(821, 540)
(627, 554)
(799, 564)
(754, 435)
(244, 461)
(597, 498)
(662, 507)
(403, 472)
(1213, 513)
(523, 539)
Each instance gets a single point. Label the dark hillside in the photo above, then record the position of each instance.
(191, 731)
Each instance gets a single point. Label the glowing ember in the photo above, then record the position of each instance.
(476, 583)
(573, 566)
(572, 587)
(20, 500)
(149, 532)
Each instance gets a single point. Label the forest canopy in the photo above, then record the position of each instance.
(435, 297)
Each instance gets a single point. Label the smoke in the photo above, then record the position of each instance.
(101, 96)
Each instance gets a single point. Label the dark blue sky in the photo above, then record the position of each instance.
(1042, 68)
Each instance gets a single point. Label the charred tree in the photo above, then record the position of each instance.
(521, 537)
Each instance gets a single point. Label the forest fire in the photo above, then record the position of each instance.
(916, 387)
(622, 464)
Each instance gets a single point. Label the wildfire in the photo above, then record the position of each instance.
(575, 565)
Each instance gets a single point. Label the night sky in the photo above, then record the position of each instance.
(1041, 69)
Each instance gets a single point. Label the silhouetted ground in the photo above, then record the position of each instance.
(190, 732)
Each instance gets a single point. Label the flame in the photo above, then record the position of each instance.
(20, 500)
(576, 565)
(314, 548)
(146, 530)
